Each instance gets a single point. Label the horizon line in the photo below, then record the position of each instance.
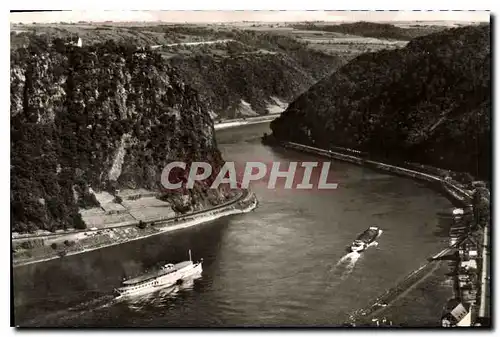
(217, 17)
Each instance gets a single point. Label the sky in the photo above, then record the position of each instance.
(235, 16)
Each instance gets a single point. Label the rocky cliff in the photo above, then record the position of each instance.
(96, 118)
(428, 102)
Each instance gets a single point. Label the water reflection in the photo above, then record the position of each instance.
(160, 298)
(83, 280)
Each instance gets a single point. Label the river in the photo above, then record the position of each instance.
(283, 264)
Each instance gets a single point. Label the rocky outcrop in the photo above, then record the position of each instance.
(428, 102)
(106, 117)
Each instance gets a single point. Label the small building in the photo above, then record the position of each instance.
(75, 41)
(463, 274)
(468, 249)
(457, 315)
(469, 264)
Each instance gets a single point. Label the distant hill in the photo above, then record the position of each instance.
(372, 29)
(429, 102)
(255, 68)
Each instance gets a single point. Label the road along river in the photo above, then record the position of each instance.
(284, 264)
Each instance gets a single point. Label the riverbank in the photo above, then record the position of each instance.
(245, 121)
(60, 246)
(457, 192)
(454, 190)
(382, 303)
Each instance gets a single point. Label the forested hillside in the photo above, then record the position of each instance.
(428, 102)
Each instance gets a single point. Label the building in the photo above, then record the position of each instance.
(75, 41)
(468, 249)
(457, 315)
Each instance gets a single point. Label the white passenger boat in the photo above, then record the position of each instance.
(166, 276)
(365, 239)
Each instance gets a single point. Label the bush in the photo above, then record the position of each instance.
(181, 209)
(118, 199)
(26, 245)
(54, 246)
(62, 253)
(481, 207)
(78, 222)
(142, 224)
(69, 243)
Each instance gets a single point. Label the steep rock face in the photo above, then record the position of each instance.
(99, 117)
(428, 102)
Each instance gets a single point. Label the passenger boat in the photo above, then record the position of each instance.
(365, 239)
(166, 276)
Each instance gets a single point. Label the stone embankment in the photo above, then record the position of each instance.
(45, 249)
(456, 191)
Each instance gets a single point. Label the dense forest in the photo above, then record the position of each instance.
(104, 117)
(428, 102)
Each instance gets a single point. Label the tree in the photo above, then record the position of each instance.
(481, 206)
(78, 222)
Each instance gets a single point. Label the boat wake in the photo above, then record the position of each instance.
(100, 302)
(95, 304)
(345, 265)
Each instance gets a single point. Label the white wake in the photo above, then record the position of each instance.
(345, 265)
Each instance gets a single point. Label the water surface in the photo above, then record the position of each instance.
(283, 264)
